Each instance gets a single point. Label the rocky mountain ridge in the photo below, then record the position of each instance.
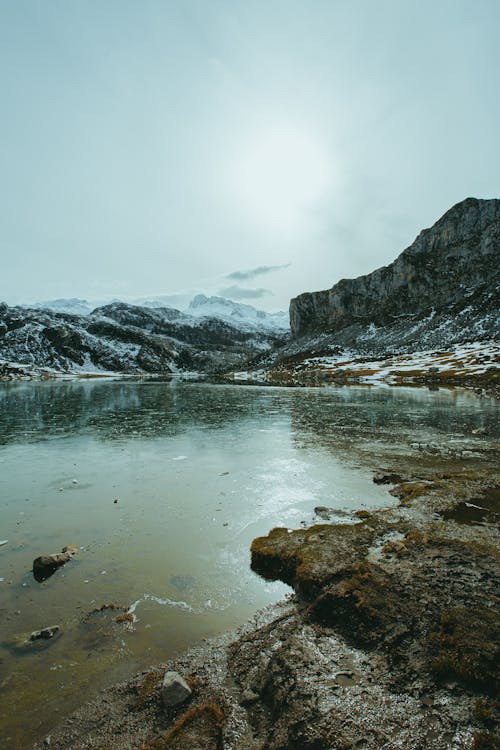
(243, 316)
(127, 338)
(443, 288)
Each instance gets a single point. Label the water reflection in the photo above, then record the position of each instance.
(113, 409)
(341, 417)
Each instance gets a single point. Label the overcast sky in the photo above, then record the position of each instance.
(255, 149)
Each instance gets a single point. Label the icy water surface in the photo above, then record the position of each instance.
(163, 486)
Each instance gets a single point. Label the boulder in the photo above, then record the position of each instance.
(174, 689)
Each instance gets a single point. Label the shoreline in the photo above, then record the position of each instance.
(370, 651)
(482, 382)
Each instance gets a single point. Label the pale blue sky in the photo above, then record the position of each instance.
(160, 146)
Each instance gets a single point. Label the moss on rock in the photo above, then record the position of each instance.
(309, 559)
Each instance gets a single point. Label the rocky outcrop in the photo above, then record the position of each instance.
(451, 269)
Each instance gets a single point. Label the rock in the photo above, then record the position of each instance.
(50, 562)
(323, 512)
(45, 565)
(23, 643)
(71, 549)
(46, 633)
(381, 477)
(174, 689)
(248, 696)
(448, 275)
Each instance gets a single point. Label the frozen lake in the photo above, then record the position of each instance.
(162, 487)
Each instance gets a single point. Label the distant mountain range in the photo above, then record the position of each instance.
(65, 335)
(441, 291)
(241, 315)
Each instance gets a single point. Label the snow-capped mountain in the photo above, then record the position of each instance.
(128, 338)
(241, 316)
(71, 306)
(245, 317)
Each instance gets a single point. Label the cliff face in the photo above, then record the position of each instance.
(455, 260)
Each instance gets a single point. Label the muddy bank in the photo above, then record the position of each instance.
(389, 641)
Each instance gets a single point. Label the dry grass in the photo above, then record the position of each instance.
(205, 711)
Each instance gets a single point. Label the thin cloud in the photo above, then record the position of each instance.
(238, 292)
(253, 272)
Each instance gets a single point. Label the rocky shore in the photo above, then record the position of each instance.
(390, 639)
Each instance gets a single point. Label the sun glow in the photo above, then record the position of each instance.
(281, 174)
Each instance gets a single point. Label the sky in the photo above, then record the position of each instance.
(254, 149)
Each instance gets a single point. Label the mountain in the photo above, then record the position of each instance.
(128, 338)
(442, 289)
(237, 314)
(72, 306)
(440, 293)
(243, 317)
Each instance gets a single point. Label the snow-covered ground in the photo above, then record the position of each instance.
(457, 361)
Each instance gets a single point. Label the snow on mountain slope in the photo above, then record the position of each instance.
(245, 317)
(72, 306)
(474, 363)
(127, 338)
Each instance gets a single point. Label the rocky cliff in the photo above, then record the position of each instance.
(449, 274)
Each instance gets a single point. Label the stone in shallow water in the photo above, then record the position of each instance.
(45, 633)
(45, 565)
(174, 689)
